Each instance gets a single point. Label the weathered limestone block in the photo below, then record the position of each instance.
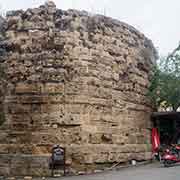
(75, 80)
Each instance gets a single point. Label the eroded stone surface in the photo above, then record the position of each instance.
(76, 80)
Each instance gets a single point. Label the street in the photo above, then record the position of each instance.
(147, 172)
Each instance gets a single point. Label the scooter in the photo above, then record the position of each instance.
(171, 156)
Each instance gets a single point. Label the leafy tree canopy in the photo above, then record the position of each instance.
(164, 90)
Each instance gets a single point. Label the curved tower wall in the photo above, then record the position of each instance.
(76, 80)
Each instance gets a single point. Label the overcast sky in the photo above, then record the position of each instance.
(157, 19)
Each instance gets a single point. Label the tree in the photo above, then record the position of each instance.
(164, 90)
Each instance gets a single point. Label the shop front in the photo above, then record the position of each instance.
(168, 125)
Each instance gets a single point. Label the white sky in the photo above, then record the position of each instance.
(157, 19)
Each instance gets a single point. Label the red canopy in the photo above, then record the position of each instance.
(155, 140)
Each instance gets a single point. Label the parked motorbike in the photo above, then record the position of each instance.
(171, 155)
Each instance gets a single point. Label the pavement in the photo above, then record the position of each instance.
(147, 172)
(154, 171)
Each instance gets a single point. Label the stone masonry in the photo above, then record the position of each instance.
(74, 79)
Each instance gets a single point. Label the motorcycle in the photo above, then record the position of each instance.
(171, 155)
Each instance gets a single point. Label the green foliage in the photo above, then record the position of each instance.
(154, 87)
(164, 90)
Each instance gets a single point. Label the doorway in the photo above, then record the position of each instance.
(168, 125)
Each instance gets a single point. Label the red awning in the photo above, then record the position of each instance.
(155, 140)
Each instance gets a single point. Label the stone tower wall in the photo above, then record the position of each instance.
(76, 80)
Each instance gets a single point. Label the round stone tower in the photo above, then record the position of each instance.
(77, 80)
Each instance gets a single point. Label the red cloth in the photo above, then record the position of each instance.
(155, 140)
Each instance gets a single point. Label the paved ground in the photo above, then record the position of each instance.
(147, 172)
